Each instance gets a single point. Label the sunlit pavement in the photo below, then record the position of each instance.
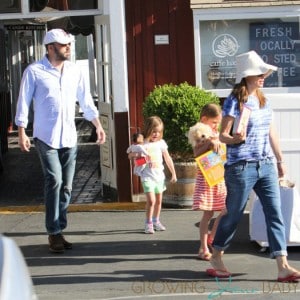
(113, 259)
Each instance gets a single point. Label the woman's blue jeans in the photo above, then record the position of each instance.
(240, 179)
(58, 168)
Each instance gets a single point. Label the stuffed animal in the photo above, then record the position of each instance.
(199, 133)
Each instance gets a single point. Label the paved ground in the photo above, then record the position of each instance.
(112, 258)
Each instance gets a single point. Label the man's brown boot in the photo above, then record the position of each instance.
(67, 245)
(55, 243)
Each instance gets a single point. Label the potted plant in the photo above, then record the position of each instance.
(179, 107)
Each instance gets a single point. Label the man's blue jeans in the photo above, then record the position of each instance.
(240, 179)
(58, 167)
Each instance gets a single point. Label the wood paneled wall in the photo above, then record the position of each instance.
(150, 64)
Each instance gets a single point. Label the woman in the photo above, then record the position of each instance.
(252, 158)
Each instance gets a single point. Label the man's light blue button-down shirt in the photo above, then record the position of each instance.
(54, 95)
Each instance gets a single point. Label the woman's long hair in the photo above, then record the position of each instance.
(240, 92)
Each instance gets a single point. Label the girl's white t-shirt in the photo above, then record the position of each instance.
(154, 169)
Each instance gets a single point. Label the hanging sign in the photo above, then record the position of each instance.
(25, 27)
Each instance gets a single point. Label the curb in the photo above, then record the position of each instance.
(116, 206)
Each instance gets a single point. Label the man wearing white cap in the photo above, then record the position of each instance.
(55, 84)
(254, 161)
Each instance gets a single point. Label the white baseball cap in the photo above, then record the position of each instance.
(251, 64)
(57, 36)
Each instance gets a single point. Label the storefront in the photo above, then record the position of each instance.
(224, 29)
(129, 62)
(130, 59)
(22, 27)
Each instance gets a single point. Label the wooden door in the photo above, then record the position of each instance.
(160, 49)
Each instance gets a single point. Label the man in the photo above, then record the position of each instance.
(54, 84)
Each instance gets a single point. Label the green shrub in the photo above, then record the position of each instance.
(179, 107)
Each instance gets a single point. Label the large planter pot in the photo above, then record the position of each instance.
(180, 194)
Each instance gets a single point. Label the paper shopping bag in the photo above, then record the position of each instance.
(290, 207)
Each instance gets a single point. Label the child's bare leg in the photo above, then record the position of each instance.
(216, 223)
(157, 206)
(150, 202)
(203, 230)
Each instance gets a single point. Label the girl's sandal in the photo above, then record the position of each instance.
(204, 255)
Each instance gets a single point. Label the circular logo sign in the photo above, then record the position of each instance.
(225, 45)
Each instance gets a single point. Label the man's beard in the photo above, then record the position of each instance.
(59, 56)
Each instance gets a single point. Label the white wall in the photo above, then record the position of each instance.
(116, 11)
(286, 108)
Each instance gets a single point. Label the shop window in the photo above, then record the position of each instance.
(277, 41)
(39, 5)
(10, 6)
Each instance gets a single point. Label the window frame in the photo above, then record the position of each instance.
(27, 14)
(249, 13)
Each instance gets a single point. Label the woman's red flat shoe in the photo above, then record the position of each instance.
(218, 273)
(289, 278)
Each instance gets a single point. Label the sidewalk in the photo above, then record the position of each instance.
(113, 259)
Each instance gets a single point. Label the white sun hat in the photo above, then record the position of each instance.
(57, 36)
(251, 64)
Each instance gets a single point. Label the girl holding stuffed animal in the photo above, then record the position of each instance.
(203, 137)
